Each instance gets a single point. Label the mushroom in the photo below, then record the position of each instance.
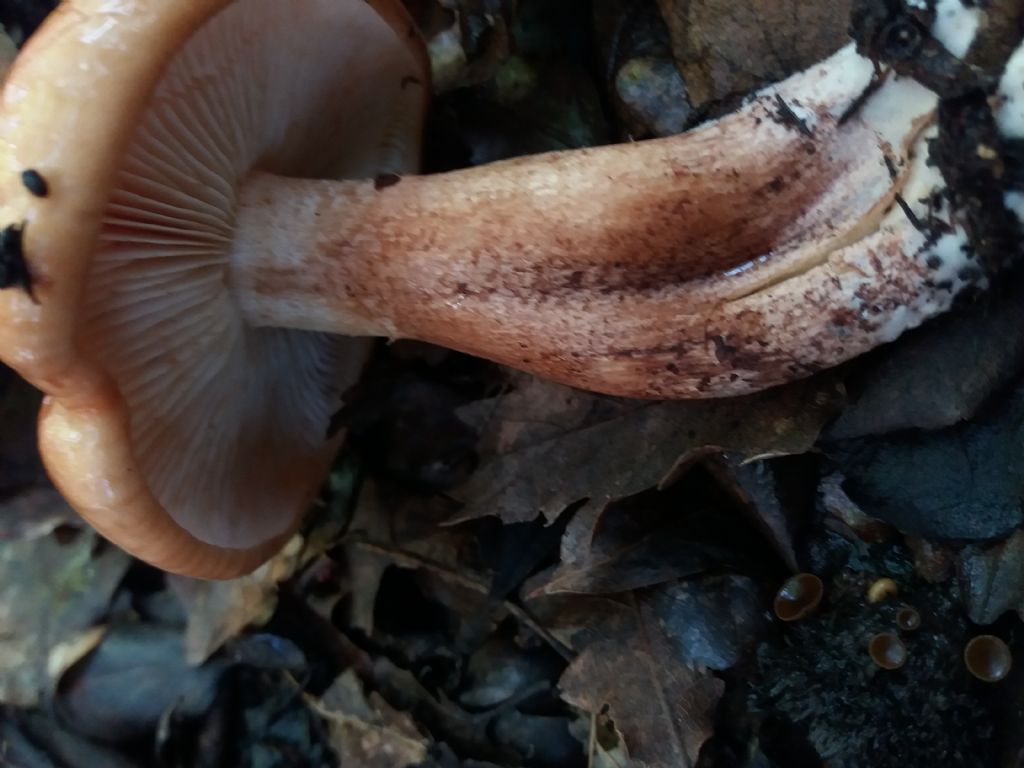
(887, 651)
(186, 435)
(908, 619)
(798, 597)
(988, 658)
(195, 248)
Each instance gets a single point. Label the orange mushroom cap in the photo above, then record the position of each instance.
(186, 437)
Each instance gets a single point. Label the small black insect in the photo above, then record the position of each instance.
(786, 116)
(890, 166)
(13, 269)
(35, 183)
(915, 222)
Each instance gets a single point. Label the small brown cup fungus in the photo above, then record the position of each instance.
(988, 658)
(196, 260)
(908, 619)
(887, 651)
(798, 597)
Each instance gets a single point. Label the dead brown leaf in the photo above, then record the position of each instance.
(941, 373)
(50, 594)
(637, 542)
(545, 446)
(33, 739)
(366, 731)
(136, 674)
(466, 39)
(725, 48)
(219, 610)
(994, 578)
(755, 486)
(663, 707)
(389, 528)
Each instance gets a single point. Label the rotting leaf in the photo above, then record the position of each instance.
(651, 96)
(219, 610)
(545, 446)
(259, 718)
(466, 40)
(993, 578)
(49, 593)
(542, 97)
(119, 692)
(663, 707)
(709, 621)
(467, 732)
(933, 561)
(724, 48)
(940, 374)
(640, 541)
(403, 426)
(604, 743)
(32, 739)
(964, 481)
(366, 731)
(388, 527)
(501, 668)
(770, 504)
(847, 515)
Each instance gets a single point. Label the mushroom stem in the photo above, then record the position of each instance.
(606, 267)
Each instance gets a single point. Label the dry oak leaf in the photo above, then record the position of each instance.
(544, 447)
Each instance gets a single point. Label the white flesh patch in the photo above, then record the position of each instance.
(1010, 116)
(956, 26)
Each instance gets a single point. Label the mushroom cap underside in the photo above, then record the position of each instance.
(188, 438)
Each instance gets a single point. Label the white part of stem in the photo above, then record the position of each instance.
(1010, 113)
(956, 26)
(1010, 116)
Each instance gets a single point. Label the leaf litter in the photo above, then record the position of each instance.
(506, 572)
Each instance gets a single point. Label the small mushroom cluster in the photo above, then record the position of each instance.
(987, 657)
(202, 228)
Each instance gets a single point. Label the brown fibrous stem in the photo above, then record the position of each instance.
(622, 269)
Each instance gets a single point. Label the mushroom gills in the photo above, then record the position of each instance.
(228, 422)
